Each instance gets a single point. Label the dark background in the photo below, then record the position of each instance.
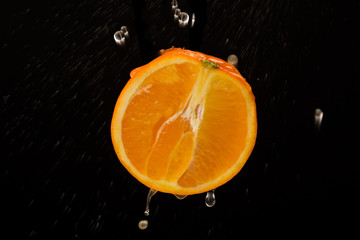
(61, 73)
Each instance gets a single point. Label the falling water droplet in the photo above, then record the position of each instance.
(192, 20)
(125, 31)
(233, 59)
(183, 19)
(174, 4)
(176, 14)
(180, 197)
(318, 117)
(143, 224)
(119, 37)
(151, 193)
(210, 198)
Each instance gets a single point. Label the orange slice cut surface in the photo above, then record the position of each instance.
(185, 123)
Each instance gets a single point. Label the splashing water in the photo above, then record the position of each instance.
(181, 17)
(210, 198)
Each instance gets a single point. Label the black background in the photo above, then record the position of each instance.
(61, 73)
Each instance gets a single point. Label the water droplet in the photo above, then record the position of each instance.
(233, 59)
(318, 117)
(174, 4)
(125, 31)
(180, 197)
(143, 224)
(176, 14)
(192, 20)
(151, 193)
(119, 37)
(183, 19)
(210, 198)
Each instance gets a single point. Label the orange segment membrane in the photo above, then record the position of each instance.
(169, 136)
(180, 157)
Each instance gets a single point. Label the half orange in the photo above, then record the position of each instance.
(185, 123)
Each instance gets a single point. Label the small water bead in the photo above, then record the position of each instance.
(210, 198)
(143, 224)
(174, 4)
(233, 59)
(183, 19)
(119, 37)
(125, 31)
(318, 117)
(192, 20)
(176, 14)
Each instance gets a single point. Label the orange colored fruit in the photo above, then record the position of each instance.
(185, 123)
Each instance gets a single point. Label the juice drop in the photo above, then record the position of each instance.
(210, 198)
(148, 199)
(143, 224)
(180, 197)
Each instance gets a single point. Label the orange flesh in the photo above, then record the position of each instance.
(159, 139)
(221, 137)
(158, 98)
